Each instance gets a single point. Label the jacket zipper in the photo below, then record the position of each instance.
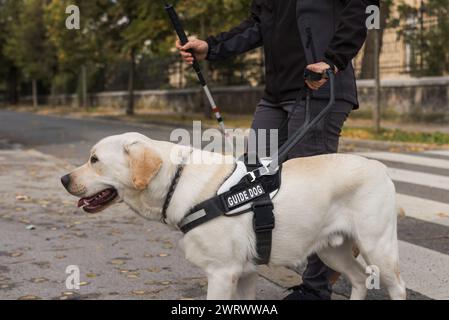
(310, 45)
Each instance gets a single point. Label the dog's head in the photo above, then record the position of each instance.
(116, 164)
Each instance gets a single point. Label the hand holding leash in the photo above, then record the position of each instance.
(315, 75)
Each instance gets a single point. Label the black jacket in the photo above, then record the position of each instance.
(330, 30)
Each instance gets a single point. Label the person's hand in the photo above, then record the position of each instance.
(199, 47)
(319, 67)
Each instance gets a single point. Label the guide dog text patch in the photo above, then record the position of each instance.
(243, 196)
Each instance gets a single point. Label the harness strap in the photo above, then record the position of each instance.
(263, 223)
(246, 191)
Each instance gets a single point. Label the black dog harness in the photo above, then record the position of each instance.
(248, 191)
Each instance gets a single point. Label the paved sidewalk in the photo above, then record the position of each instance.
(120, 255)
(404, 126)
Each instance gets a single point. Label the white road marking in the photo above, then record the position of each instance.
(439, 152)
(424, 270)
(423, 209)
(405, 158)
(420, 178)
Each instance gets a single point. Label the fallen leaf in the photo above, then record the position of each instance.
(16, 254)
(138, 292)
(163, 254)
(29, 297)
(21, 197)
(91, 275)
(39, 280)
(117, 262)
(83, 283)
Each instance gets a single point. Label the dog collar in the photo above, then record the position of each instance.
(171, 191)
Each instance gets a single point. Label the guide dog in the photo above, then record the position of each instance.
(326, 204)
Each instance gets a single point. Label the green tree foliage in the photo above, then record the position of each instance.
(426, 30)
(28, 46)
(210, 17)
(9, 13)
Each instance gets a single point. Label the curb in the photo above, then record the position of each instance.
(391, 146)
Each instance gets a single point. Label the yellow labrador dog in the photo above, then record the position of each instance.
(326, 204)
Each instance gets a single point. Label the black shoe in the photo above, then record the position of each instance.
(303, 292)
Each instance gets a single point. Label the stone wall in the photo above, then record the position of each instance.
(420, 99)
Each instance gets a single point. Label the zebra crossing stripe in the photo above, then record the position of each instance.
(419, 178)
(423, 209)
(424, 270)
(439, 152)
(405, 158)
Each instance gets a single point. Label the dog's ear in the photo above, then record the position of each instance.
(144, 164)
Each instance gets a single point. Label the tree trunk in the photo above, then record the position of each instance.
(367, 70)
(84, 85)
(34, 88)
(12, 86)
(53, 94)
(132, 66)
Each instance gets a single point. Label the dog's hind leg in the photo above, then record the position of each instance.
(222, 284)
(385, 258)
(341, 259)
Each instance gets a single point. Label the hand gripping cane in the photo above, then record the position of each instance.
(196, 66)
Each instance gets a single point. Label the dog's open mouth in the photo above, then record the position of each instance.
(99, 201)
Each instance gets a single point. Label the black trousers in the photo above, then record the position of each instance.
(287, 117)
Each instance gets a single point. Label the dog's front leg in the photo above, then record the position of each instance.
(222, 285)
(246, 289)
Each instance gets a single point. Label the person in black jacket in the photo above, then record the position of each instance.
(298, 35)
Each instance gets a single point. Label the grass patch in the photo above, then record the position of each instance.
(398, 135)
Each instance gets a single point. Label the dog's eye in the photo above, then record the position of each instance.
(93, 159)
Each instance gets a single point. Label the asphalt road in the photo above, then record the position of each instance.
(66, 138)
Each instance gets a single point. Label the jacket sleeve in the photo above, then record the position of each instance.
(350, 33)
(240, 39)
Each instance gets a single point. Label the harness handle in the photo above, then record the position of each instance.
(314, 76)
(281, 155)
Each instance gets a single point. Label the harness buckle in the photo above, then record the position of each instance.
(261, 171)
(252, 176)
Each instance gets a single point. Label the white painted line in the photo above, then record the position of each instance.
(420, 178)
(423, 209)
(439, 152)
(405, 158)
(424, 270)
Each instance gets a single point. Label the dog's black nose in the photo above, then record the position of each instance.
(65, 180)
